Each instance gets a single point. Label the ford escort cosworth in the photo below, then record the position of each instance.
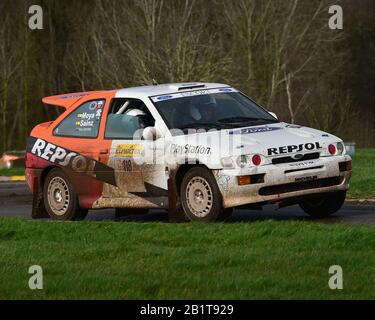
(196, 149)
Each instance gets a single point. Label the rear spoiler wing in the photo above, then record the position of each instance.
(66, 100)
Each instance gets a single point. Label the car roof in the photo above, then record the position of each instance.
(66, 100)
(160, 89)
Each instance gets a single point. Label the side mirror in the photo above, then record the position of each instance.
(273, 114)
(150, 134)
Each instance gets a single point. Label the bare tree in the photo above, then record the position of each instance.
(332, 111)
(145, 39)
(282, 42)
(9, 64)
(280, 52)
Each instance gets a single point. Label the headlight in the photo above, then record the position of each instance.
(340, 148)
(242, 161)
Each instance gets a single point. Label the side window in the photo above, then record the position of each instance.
(127, 118)
(83, 122)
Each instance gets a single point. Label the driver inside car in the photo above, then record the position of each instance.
(207, 111)
(145, 120)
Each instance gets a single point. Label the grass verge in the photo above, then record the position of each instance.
(12, 172)
(362, 184)
(116, 260)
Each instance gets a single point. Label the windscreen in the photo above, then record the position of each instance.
(207, 109)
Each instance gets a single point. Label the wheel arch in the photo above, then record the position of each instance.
(45, 172)
(182, 170)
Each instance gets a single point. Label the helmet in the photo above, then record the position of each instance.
(145, 119)
(201, 104)
(135, 112)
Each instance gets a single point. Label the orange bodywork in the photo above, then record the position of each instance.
(87, 187)
(69, 99)
(80, 145)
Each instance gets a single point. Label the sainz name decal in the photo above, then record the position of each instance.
(70, 160)
(294, 148)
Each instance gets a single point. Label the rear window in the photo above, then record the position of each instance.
(83, 122)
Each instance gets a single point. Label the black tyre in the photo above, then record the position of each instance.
(123, 212)
(323, 206)
(226, 214)
(200, 196)
(60, 198)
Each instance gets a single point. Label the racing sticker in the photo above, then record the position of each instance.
(222, 180)
(293, 126)
(199, 92)
(78, 95)
(93, 105)
(70, 160)
(100, 104)
(189, 149)
(129, 150)
(294, 148)
(254, 130)
(304, 179)
(85, 119)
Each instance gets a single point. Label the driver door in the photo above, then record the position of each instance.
(140, 178)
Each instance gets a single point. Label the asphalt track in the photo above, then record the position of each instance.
(15, 201)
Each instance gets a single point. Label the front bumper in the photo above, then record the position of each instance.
(283, 181)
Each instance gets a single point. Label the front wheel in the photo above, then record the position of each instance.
(201, 199)
(60, 198)
(323, 206)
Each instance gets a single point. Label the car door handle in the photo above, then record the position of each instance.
(103, 151)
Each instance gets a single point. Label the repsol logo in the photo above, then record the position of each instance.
(70, 160)
(52, 153)
(294, 148)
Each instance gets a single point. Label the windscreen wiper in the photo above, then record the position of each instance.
(202, 125)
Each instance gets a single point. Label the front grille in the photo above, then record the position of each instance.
(298, 186)
(307, 156)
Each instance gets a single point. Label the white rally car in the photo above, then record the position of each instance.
(197, 149)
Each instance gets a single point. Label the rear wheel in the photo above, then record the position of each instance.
(200, 196)
(323, 206)
(60, 198)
